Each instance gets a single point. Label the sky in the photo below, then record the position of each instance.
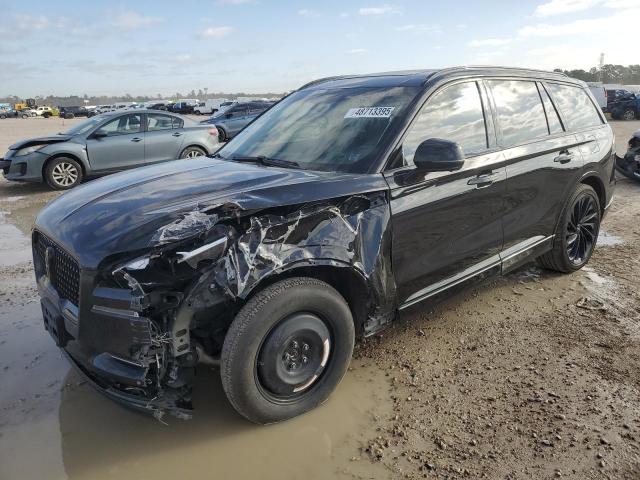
(256, 46)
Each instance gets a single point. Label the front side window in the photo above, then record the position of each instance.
(123, 125)
(454, 113)
(520, 112)
(577, 108)
(340, 129)
(158, 122)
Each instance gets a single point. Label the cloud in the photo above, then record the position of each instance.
(357, 51)
(305, 12)
(587, 26)
(379, 10)
(25, 22)
(131, 20)
(344, 15)
(183, 58)
(419, 28)
(216, 32)
(559, 7)
(235, 2)
(489, 42)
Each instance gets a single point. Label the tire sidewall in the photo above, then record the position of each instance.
(562, 230)
(253, 324)
(186, 151)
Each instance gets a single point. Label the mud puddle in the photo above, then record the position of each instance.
(15, 247)
(46, 407)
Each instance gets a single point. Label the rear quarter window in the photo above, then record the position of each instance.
(520, 112)
(576, 107)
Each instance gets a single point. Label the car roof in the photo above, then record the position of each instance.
(408, 78)
(123, 111)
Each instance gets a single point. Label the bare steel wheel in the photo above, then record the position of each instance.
(63, 173)
(287, 349)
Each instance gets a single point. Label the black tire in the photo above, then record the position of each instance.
(628, 114)
(46, 114)
(69, 116)
(566, 255)
(192, 152)
(222, 135)
(24, 115)
(257, 356)
(63, 173)
(2, 115)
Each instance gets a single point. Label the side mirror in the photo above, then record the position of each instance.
(438, 155)
(98, 135)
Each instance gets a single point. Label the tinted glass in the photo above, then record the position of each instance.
(337, 129)
(158, 122)
(519, 108)
(555, 126)
(455, 114)
(177, 122)
(575, 105)
(122, 125)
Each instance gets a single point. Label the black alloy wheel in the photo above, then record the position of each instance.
(582, 229)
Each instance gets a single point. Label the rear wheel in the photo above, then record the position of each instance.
(628, 114)
(63, 173)
(222, 135)
(576, 233)
(192, 152)
(287, 350)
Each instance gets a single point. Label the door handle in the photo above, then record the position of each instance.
(177, 134)
(136, 139)
(482, 181)
(564, 157)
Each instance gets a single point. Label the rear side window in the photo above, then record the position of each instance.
(454, 113)
(158, 122)
(520, 111)
(555, 126)
(177, 122)
(575, 105)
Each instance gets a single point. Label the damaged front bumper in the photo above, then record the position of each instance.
(106, 359)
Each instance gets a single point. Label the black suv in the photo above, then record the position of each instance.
(72, 112)
(348, 201)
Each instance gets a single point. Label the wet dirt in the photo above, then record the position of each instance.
(530, 376)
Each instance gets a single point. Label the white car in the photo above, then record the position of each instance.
(44, 111)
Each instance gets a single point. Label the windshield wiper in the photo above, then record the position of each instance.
(266, 161)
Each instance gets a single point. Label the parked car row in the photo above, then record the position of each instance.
(233, 119)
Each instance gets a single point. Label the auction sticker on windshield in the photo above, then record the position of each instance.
(369, 112)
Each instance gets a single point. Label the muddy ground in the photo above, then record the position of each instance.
(530, 376)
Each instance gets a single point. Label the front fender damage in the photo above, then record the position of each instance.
(203, 266)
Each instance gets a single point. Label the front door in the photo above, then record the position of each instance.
(447, 226)
(118, 144)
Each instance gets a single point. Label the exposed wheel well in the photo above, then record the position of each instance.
(348, 283)
(67, 155)
(595, 183)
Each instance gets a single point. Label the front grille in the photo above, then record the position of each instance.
(63, 272)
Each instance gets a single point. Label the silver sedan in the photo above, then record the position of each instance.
(107, 143)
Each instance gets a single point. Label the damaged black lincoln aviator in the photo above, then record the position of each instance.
(348, 201)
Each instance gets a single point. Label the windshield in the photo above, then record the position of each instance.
(340, 129)
(84, 127)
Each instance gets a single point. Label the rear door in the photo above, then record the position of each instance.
(447, 226)
(236, 119)
(543, 164)
(163, 138)
(122, 145)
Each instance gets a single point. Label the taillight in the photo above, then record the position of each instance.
(213, 132)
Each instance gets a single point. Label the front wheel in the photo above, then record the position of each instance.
(576, 233)
(63, 173)
(287, 350)
(628, 114)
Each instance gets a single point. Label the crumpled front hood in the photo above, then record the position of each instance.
(122, 212)
(40, 141)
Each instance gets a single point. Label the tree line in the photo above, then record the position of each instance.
(79, 100)
(609, 73)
